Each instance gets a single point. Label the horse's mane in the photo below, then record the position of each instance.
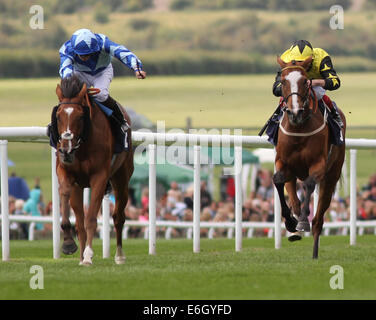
(71, 86)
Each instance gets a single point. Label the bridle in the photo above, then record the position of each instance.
(83, 136)
(304, 98)
(69, 136)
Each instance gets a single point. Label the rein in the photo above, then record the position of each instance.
(307, 98)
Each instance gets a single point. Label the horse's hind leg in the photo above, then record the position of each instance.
(98, 185)
(325, 197)
(120, 185)
(309, 187)
(327, 188)
(76, 202)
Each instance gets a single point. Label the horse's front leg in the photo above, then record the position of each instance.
(316, 174)
(65, 188)
(279, 179)
(98, 186)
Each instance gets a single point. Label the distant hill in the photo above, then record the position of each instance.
(188, 41)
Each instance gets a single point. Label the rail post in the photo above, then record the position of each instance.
(196, 199)
(4, 200)
(353, 200)
(55, 208)
(152, 197)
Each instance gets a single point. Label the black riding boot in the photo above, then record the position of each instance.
(336, 116)
(117, 114)
(121, 126)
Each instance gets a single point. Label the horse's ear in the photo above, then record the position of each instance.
(83, 91)
(88, 103)
(59, 93)
(281, 62)
(307, 62)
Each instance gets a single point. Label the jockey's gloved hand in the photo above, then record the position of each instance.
(140, 74)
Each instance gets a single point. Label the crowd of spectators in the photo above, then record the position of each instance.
(177, 205)
(27, 202)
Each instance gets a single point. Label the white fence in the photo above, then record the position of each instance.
(38, 134)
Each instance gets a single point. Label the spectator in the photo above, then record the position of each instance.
(188, 198)
(23, 226)
(179, 207)
(206, 215)
(206, 199)
(18, 187)
(145, 199)
(132, 213)
(266, 189)
(372, 193)
(31, 206)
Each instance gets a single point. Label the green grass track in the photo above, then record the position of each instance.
(217, 272)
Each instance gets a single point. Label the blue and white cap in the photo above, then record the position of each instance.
(84, 42)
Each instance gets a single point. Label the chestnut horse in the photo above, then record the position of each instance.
(304, 152)
(86, 159)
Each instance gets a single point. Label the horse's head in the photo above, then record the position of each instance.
(295, 90)
(70, 116)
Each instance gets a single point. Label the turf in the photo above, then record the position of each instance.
(257, 272)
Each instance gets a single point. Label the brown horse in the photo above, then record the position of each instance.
(86, 159)
(304, 152)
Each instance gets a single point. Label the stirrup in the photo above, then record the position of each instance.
(337, 118)
(124, 127)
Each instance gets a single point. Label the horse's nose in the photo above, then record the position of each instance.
(299, 116)
(67, 136)
(296, 117)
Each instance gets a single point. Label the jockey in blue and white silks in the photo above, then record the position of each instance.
(88, 55)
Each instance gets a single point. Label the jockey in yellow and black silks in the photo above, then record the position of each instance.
(321, 73)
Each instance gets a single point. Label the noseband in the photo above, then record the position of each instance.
(69, 136)
(305, 98)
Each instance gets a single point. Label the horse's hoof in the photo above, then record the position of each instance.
(86, 263)
(291, 224)
(88, 254)
(69, 247)
(120, 260)
(119, 256)
(303, 226)
(295, 237)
